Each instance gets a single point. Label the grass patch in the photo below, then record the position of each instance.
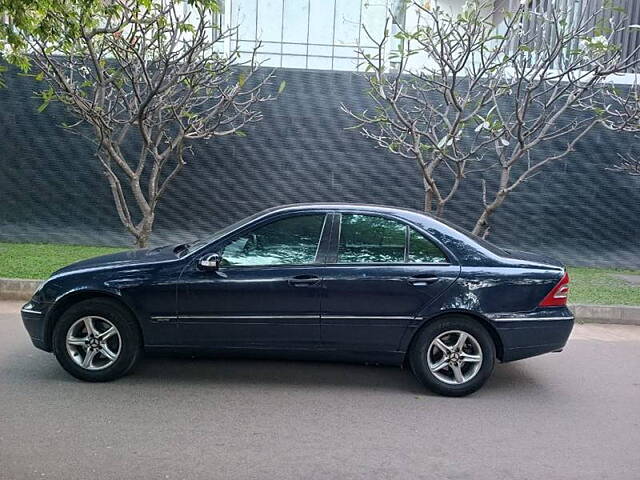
(601, 286)
(37, 261)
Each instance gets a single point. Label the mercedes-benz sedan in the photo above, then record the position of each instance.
(324, 281)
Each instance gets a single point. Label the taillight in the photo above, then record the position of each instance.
(557, 297)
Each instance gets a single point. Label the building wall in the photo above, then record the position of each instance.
(51, 189)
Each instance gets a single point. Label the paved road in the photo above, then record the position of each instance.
(574, 415)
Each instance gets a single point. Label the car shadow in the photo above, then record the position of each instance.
(161, 370)
(273, 373)
(312, 374)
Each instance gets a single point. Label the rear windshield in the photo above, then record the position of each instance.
(479, 240)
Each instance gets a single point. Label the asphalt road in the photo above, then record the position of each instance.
(574, 415)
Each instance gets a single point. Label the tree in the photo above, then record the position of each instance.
(143, 73)
(620, 111)
(469, 95)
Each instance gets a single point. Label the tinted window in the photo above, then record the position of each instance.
(422, 250)
(371, 239)
(290, 241)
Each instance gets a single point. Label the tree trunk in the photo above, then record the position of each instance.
(428, 196)
(143, 234)
(482, 225)
(142, 240)
(431, 206)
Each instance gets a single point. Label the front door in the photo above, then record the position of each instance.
(382, 275)
(266, 292)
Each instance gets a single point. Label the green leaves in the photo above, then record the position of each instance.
(47, 97)
(186, 27)
(282, 86)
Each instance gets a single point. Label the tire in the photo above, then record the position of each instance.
(474, 364)
(114, 353)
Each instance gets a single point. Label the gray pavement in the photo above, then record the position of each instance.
(573, 415)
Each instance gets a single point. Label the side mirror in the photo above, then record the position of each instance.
(210, 262)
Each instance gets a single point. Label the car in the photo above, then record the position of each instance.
(340, 282)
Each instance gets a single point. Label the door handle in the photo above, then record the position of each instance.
(422, 280)
(304, 280)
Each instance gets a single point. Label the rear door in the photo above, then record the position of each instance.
(380, 275)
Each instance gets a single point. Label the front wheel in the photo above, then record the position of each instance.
(97, 340)
(453, 356)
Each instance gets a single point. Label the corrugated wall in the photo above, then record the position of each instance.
(51, 189)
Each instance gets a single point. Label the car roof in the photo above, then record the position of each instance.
(369, 207)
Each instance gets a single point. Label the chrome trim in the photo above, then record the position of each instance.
(328, 317)
(367, 317)
(250, 317)
(516, 319)
(28, 310)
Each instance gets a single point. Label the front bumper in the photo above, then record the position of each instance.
(532, 334)
(33, 317)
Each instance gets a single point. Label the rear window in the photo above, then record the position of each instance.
(479, 240)
(375, 239)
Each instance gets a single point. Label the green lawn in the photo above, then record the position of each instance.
(38, 261)
(601, 286)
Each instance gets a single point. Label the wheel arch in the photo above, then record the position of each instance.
(72, 298)
(489, 327)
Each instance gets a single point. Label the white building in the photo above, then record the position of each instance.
(325, 34)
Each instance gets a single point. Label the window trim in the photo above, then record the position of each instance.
(332, 256)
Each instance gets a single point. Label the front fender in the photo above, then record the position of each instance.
(68, 298)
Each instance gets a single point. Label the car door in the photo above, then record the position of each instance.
(265, 292)
(380, 275)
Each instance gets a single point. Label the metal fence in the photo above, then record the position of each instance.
(51, 189)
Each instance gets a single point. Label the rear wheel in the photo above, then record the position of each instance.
(453, 356)
(97, 340)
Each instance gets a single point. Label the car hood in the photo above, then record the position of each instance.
(122, 259)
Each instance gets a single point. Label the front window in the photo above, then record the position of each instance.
(290, 241)
(374, 239)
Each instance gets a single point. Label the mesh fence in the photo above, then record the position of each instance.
(51, 189)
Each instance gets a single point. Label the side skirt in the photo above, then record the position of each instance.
(395, 358)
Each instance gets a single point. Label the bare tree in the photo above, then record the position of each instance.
(471, 94)
(628, 164)
(619, 109)
(151, 74)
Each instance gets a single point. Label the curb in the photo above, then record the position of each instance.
(22, 289)
(17, 288)
(610, 314)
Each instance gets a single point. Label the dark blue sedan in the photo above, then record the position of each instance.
(325, 281)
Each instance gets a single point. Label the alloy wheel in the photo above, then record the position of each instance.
(454, 357)
(94, 343)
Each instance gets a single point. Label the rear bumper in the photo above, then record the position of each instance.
(33, 318)
(532, 335)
